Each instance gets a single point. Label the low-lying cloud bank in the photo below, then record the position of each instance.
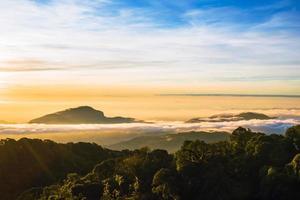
(107, 134)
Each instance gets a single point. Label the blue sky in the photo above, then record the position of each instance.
(252, 11)
(171, 13)
(208, 45)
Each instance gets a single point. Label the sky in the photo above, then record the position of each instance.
(88, 49)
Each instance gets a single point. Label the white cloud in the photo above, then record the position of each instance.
(84, 35)
(106, 134)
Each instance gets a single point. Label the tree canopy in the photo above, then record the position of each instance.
(250, 165)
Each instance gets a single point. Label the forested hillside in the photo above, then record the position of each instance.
(249, 166)
(30, 163)
(170, 142)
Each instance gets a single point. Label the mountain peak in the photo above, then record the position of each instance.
(81, 109)
(80, 115)
(88, 108)
(231, 117)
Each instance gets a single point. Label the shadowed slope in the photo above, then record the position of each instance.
(170, 142)
(80, 115)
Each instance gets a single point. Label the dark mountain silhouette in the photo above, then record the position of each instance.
(80, 115)
(170, 142)
(231, 117)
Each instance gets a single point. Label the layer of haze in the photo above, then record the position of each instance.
(107, 134)
(158, 108)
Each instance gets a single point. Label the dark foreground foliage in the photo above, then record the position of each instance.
(249, 166)
(28, 163)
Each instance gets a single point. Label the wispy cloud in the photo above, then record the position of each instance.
(28, 65)
(222, 42)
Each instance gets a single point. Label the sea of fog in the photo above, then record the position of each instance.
(107, 134)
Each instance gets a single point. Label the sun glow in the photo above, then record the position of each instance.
(4, 81)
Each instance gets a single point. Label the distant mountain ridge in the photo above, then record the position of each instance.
(81, 115)
(170, 142)
(5, 122)
(231, 117)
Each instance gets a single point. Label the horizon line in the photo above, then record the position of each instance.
(233, 95)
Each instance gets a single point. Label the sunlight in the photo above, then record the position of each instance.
(152, 99)
(4, 82)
